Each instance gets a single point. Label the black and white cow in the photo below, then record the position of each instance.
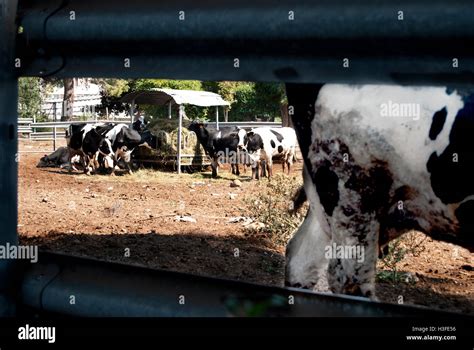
(88, 141)
(123, 140)
(379, 161)
(59, 158)
(220, 145)
(262, 144)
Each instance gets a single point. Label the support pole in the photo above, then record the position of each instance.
(9, 156)
(169, 110)
(180, 127)
(132, 110)
(217, 117)
(54, 138)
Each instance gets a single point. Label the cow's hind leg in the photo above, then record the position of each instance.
(353, 253)
(269, 165)
(353, 198)
(263, 170)
(255, 171)
(289, 161)
(214, 166)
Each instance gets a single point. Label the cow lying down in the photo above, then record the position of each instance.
(379, 161)
(59, 159)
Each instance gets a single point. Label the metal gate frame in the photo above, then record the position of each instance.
(242, 40)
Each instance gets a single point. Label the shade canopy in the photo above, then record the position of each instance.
(163, 97)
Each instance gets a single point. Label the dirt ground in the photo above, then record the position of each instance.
(101, 216)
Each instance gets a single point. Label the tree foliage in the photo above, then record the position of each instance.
(248, 100)
(112, 88)
(29, 97)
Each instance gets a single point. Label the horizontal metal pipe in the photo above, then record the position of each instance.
(295, 42)
(83, 287)
(152, 21)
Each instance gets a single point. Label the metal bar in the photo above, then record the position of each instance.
(244, 124)
(217, 117)
(9, 148)
(308, 41)
(180, 129)
(43, 152)
(59, 124)
(132, 110)
(108, 289)
(54, 139)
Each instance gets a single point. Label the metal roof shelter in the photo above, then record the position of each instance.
(170, 97)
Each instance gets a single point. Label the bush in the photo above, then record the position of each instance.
(398, 249)
(271, 208)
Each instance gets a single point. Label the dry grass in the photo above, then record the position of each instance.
(271, 207)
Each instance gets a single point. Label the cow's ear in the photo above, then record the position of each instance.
(250, 133)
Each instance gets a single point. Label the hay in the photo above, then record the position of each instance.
(167, 151)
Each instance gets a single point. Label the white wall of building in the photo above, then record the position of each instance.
(86, 97)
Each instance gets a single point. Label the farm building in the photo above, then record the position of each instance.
(86, 97)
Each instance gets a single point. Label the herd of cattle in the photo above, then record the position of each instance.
(255, 148)
(369, 175)
(107, 147)
(95, 146)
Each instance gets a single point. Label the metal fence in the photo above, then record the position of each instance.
(54, 130)
(57, 130)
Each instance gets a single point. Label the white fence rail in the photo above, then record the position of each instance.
(248, 125)
(57, 129)
(27, 127)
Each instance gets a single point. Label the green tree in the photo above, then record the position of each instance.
(112, 88)
(252, 100)
(268, 99)
(29, 97)
(243, 107)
